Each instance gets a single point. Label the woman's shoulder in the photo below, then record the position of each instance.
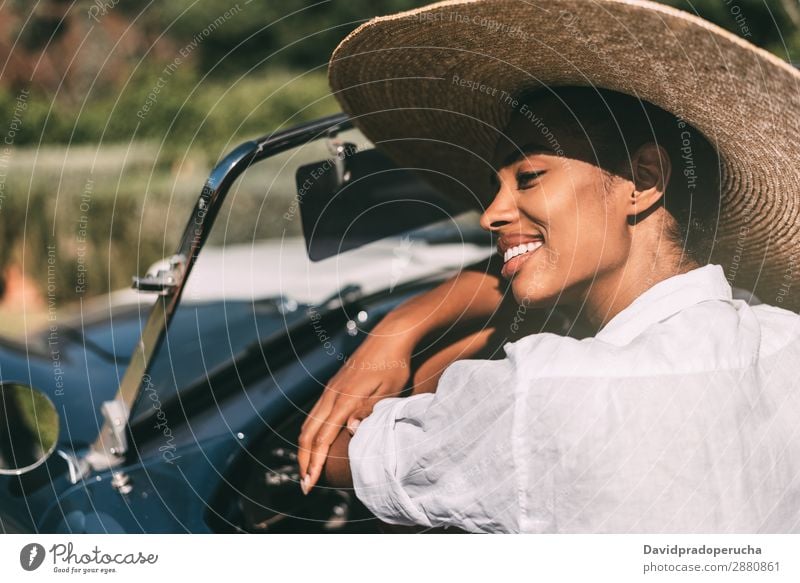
(548, 354)
(708, 336)
(779, 327)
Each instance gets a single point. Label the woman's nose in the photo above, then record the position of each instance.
(502, 211)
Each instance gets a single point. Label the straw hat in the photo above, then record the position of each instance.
(433, 87)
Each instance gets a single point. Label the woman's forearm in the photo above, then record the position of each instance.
(337, 466)
(475, 292)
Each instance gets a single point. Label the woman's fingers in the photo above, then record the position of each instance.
(332, 399)
(322, 441)
(314, 420)
(358, 384)
(357, 416)
(335, 403)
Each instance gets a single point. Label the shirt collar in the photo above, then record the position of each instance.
(665, 299)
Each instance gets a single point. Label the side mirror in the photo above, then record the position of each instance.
(28, 428)
(361, 197)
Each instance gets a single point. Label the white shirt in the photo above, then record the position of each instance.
(680, 415)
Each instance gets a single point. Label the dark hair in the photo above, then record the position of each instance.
(617, 124)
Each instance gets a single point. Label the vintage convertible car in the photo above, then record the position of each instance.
(175, 406)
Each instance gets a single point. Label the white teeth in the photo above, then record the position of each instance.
(520, 249)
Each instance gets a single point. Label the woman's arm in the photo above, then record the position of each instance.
(474, 295)
(475, 292)
(337, 466)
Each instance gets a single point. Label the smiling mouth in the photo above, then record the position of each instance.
(514, 257)
(518, 250)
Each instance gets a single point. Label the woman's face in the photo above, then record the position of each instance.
(561, 221)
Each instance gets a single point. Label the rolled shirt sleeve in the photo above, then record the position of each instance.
(444, 458)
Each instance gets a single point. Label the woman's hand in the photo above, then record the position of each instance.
(379, 368)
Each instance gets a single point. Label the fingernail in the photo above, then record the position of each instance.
(304, 484)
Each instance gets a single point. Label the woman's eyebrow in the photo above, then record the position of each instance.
(518, 154)
(526, 150)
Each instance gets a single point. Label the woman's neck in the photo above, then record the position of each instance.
(617, 290)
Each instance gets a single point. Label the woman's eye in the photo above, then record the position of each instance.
(527, 179)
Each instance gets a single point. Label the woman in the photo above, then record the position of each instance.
(677, 412)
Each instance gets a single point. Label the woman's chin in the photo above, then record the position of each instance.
(526, 293)
(536, 288)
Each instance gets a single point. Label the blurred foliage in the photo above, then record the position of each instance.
(244, 67)
(109, 212)
(302, 34)
(117, 210)
(179, 112)
(770, 24)
(214, 71)
(297, 34)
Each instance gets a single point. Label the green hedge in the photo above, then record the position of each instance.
(112, 198)
(176, 108)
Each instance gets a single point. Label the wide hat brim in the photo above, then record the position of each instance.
(432, 88)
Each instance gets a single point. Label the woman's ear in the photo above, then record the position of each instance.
(651, 171)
